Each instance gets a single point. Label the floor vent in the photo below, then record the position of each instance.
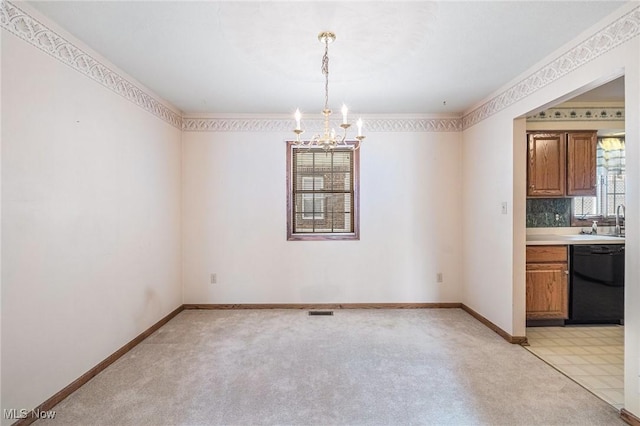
(321, 313)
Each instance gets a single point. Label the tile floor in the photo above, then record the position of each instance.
(593, 356)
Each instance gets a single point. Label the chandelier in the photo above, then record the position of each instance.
(328, 139)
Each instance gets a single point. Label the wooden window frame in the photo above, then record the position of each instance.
(325, 236)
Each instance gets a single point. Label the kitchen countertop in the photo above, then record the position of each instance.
(558, 239)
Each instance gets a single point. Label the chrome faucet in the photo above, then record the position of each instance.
(624, 215)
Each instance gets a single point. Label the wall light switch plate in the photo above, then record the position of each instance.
(504, 207)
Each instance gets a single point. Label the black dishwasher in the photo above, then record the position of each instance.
(596, 290)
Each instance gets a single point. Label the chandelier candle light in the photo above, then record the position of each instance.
(328, 140)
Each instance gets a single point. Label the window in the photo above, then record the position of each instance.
(610, 171)
(322, 193)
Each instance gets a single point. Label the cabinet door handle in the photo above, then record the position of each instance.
(532, 186)
(566, 272)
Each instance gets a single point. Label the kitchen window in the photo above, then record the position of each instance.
(322, 193)
(610, 172)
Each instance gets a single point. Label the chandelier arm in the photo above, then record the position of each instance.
(344, 136)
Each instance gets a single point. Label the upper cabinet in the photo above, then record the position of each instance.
(546, 164)
(561, 164)
(581, 163)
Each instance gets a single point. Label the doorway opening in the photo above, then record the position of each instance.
(583, 341)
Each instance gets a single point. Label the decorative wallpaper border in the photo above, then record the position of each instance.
(594, 113)
(24, 26)
(312, 126)
(618, 32)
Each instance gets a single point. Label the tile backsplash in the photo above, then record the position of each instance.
(548, 212)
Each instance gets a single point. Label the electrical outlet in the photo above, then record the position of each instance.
(439, 277)
(214, 278)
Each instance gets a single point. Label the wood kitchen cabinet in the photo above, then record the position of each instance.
(561, 163)
(581, 163)
(546, 164)
(547, 283)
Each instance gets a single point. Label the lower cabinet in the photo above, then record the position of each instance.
(547, 282)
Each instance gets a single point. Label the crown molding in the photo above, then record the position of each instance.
(613, 35)
(286, 125)
(21, 24)
(415, 125)
(236, 125)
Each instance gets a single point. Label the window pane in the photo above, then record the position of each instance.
(304, 160)
(312, 206)
(305, 183)
(609, 205)
(584, 206)
(302, 225)
(322, 160)
(318, 206)
(339, 203)
(325, 225)
(307, 206)
(309, 182)
(341, 181)
(342, 222)
(618, 184)
(342, 160)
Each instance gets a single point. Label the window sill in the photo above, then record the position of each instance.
(323, 237)
(588, 221)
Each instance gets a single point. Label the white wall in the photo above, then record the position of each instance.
(234, 223)
(487, 164)
(90, 223)
(632, 260)
(493, 282)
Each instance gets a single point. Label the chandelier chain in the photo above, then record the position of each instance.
(325, 71)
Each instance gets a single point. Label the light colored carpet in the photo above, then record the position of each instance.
(358, 367)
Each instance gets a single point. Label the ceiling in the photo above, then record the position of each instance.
(612, 91)
(242, 57)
